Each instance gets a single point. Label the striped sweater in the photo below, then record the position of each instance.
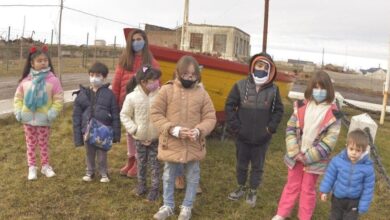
(316, 157)
(44, 115)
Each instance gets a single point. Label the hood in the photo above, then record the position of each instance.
(266, 58)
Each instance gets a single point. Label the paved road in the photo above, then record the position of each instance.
(70, 81)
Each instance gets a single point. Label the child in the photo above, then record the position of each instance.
(38, 100)
(99, 102)
(351, 177)
(135, 117)
(311, 135)
(135, 55)
(184, 114)
(254, 110)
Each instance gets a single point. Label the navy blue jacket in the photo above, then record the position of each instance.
(106, 111)
(348, 180)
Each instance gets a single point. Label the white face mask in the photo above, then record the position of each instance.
(96, 81)
(260, 81)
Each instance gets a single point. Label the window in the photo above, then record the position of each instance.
(196, 41)
(219, 44)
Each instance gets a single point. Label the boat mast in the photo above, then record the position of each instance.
(185, 24)
(265, 27)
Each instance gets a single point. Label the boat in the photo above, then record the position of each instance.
(218, 75)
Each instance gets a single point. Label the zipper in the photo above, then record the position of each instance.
(350, 177)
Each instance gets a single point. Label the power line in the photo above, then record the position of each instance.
(25, 5)
(98, 16)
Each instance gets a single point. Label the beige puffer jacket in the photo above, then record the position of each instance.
(190, 108)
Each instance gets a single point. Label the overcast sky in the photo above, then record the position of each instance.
(345, 27)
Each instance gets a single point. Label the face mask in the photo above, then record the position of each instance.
(96, 81)
(260, 73)
(186, 83)
(260, 81)
(138, 45)
(319, 95)
(152, 86)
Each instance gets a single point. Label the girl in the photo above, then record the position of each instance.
(135, 55)
(311, 135)
(99, 102)
(184, 115)
(143, 89)
(38, 100)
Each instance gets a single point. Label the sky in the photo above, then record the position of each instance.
(353, 33)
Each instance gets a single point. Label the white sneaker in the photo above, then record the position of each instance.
(104, 179)
(163, 213)
(277, 217)
(32, 173)
(87, 178)
(47, 171)
(185, 213)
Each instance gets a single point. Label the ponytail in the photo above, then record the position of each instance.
(131, 85)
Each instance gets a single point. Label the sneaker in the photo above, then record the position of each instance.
(277, 217)
(251, 197)
(185, 213)
(140, 190)
(163, 213)
(47, 171)
(32, 173)
(152, 195)
(87, 178)
(237, 194)
(104, 179)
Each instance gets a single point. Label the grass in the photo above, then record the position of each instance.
(67, 197)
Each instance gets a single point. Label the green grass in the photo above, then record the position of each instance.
(67, 197)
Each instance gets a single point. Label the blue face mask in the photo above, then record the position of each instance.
(138, 45)
(260, 73)
(319, 95)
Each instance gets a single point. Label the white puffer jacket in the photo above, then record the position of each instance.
(135, 115)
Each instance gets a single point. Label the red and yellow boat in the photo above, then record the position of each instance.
(218, 75)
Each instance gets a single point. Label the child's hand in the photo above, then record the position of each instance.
(324, 197)
(184, 133)
(194, 134)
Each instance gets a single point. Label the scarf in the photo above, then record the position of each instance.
(37, 96)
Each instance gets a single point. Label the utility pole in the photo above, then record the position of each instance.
(114, 54)
(51, 42)
(59, 41)
(21, 40)
(323, 55)
(8, 44)
(185, 24)
(265, 27)
(386, 90)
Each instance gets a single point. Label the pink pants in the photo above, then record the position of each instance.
(131, 151)
(299, 184)
(37, 135)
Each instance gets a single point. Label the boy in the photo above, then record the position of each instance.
(253, 110)
(99, 102)
(351, 177)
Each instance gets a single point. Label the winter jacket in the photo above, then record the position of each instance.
(44, 115)
(316, 157)
(254, 116)
(190, 108)
(135, 114)
(105, 110)
(350, 180)
(123, 76)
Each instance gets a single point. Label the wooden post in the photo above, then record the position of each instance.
(51, 42)
(114, 54)
(185, 24)
(265, 27)
(385, 92)
(59, 41)
(8, 44)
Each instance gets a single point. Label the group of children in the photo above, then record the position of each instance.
(170, 124)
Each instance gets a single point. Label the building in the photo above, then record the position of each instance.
(100, 42)
(375, 73)
(221, 41)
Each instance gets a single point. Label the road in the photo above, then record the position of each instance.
(70, 81)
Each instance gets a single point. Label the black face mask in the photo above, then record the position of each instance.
(186, 83)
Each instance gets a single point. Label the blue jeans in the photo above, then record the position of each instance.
(180, 170)
(192, 174)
